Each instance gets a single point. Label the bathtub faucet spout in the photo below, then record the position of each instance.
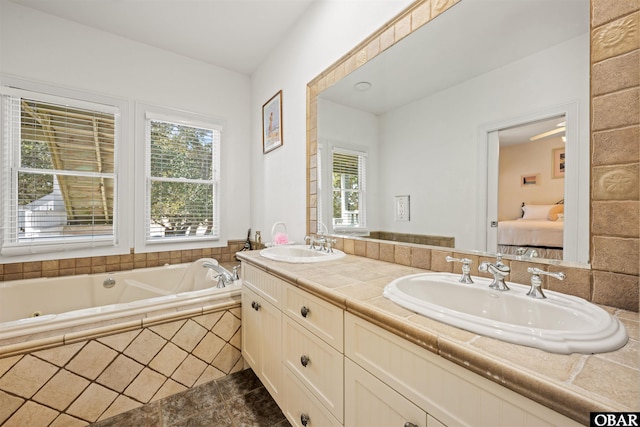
(224, 276)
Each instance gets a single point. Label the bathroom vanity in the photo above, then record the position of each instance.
(332, 351)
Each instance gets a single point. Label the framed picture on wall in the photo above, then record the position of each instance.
(558, 163)
(531, 179)
(272, 123)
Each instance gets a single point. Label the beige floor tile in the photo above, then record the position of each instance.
(227, 358)
(7, 362)
(168, 388)
(65, 420)
(145, 346)
(120, 341)
(189, 371)
(209, 374)
(236, 340)
(209, 347)
(61, 390)
(120, 405)
(168, 330)
(145, 385)
(91, 360)
(8, 404)
(59, 356)
(31, 414)
(168, 359)
(27, 376)
(209, 320)
(120, 373)
(92, 402)
(226, 326)
(189, 335)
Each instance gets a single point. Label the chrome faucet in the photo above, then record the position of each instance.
(527, 252)
(224, 276)
(324, 243)
(466, 269)
(499, 270)
(536, 281)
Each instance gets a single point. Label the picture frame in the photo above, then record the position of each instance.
(558, 162)
(272, 123)
(529, 179)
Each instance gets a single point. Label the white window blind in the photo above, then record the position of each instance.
(349, 188)
(183, 180)
(59, 173)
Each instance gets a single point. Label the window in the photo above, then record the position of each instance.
(58, 172)
(182, 182)
(349, 189)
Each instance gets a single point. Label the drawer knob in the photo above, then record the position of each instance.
(304, 419)
(408, 424)
(255, 305)
(304, 311)
(304, 360)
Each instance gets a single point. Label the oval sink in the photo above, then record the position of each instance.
(560, 323)
(299, 254)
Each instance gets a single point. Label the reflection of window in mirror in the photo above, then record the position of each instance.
(348, 177)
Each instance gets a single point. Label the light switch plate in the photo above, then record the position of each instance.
(402, 211)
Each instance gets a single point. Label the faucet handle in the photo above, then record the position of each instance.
(536, 281)
(466, 269)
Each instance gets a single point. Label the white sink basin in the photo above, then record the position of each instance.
(559, 324)
(299, 254)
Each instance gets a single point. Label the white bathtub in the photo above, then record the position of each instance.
(35, 308)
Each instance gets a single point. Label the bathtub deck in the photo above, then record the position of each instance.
(234, 400)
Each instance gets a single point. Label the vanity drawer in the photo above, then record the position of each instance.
(303, 407)
(320, 317)
(267, 286)
(316, 364)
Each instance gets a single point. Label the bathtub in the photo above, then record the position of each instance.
(38, 308)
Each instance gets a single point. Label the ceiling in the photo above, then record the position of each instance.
(496, 33)
(234, 34)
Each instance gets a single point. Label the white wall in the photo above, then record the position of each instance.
(529, 158)
(345, 127)
(40, 47)
(441, 134)
(328, 30)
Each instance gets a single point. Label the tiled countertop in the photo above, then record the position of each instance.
(573, 385)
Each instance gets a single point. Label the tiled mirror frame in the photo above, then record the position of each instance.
(615, 122)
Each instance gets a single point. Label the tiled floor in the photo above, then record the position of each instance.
(236, 400)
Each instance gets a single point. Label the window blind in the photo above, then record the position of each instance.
(59, 177)
(183, 180)
(349, 188)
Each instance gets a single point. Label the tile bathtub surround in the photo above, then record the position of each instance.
(238, 399)
(102, 376)
(75, 266)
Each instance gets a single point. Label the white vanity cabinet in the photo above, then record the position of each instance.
(262, 327)
(307, 348)
(328, 367)
(450, 394)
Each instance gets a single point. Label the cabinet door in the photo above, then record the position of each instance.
(251, 341)
(369, 402)
(262, 341)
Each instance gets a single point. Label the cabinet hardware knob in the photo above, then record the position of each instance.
(304, 419)
(255, 305)
(408, 424)
(304, 311)
(304, 360)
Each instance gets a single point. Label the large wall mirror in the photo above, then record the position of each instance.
(447, 133)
